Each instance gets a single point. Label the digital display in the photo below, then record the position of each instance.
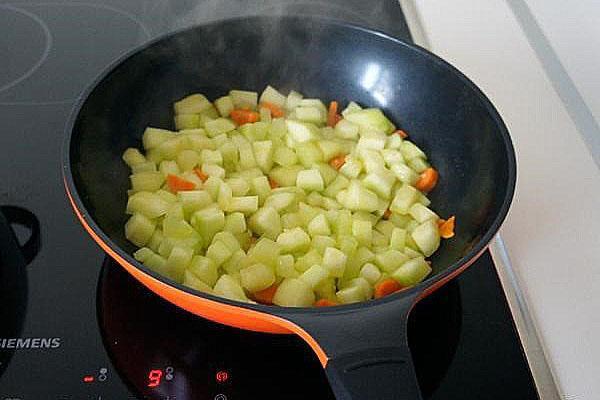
(154, 378)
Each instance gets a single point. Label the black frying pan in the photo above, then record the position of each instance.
(363, 346)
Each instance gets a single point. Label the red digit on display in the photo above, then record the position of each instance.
(154, 378)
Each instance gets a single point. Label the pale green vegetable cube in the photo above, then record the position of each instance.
(218, 126)
(263, 154)
(265, 251)
(220, 140)
(178, 261)
(405, 174)
(410, 252)
(364, 285)
(301, 132)
(285, 156)
(308, 154)
(148, 166)
(285, 176)
(155, 240)
(338, 184)
(146, 181)
(326, 290)
(218, 252)
(348, 245)
(244, 99)
(351, 168)
(239, 186)
(335, 261)
(228, 240)
(271, 95)
(177, 228)
(315, 275)
(385, 228)
(392, 157)
(371, 273)
(225, 196)
(352, 107)
(294, 292)
(139, 229)
(211, 157)
(213, 170)
(281, 201)
(192, 104)
(224, 105)
(208, 222)
(362, 231)
(133, 157)
(359, 198)
(310, 114)
(187, 121)
(204, 269)
(310, 179)
(246, 153)
(148, 204)
(187, 160)
(319, 226)
(244, 204)
(169, 167)
(398, 239)
(409, 151)
(266, 221)
(237, 260)
(293, 240)
(424, 200)
(361, 256)
(393, 142)
(330, 149)
(291, 220)
(421, 213)
(380, 182)
(229, 288)
(412, 272)
(379, 240)
(390, 260)
(399, 220)
(372, 140)
(190, 280)
(293, 100)
(142, 254)
(405, 197)
(371, 119)
(351, 294)
(331, 204)
(235, 223)
(427, 237)
(343, 223)
(321, 242)
(309, 259)
(346, 129)
(257, 277)
(261, 188)
(154, 137)
(372, 160)
(230, 155)
(212, 186)
(285, 266)
(418, 164)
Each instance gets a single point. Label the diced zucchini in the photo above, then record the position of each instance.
(293, 100)
(335, 261)
(319, 226)
(346, 129)
(293, 240)
(412, 272)
(154, 137)
(265, 251)
(390, 260)
(352, 294)
(362, 231)
(294, 292)
(285, 156)
(421, 213)
(224, 105)
(418, 164)
(315, 275)
(178, 261)
(302, 131)
(244, 99)
(208, 222)
(352, 107)
(147, 166)
(192, 104)
(139, 229)
(190, 280)
(427, 237)
(398, 239)
(187, 121)
(133, 157)
(263, 154)
(380, 182)
(148, 204)
(351, 168)
(229, 288)
(371, 273)
(257, 277)
(266, 221)
(310, 179)
(372, 140)
(409, 151)
(285, 266)
(405, 197)
(314, 115)
(146, 181)
(205, 269)
(219, 126)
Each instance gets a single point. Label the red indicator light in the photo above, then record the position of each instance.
(88, 379)
(154, 378)
(222, 376)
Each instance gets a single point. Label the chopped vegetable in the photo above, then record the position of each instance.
(283, 201)
(177, 184)
(385, 287)
(446, 227)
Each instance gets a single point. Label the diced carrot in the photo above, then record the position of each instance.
(427, 180)
(203, 177)
(402, 134)
(325, 303)
(446, 227)
(387, 214)
(385, 287)
(338, 161)
(332, 115)
(241, 117)
(265, 296)
(273, 183)
(276, 111)
(177, 184)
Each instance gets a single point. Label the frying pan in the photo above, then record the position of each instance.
(362, 347)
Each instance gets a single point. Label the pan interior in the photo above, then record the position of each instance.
(443, 113)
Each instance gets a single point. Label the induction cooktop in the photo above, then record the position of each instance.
(74, 325)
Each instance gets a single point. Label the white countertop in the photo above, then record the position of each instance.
(552, 233)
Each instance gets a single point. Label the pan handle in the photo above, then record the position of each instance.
(367, 349)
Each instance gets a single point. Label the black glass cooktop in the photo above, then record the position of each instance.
(74, 325)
